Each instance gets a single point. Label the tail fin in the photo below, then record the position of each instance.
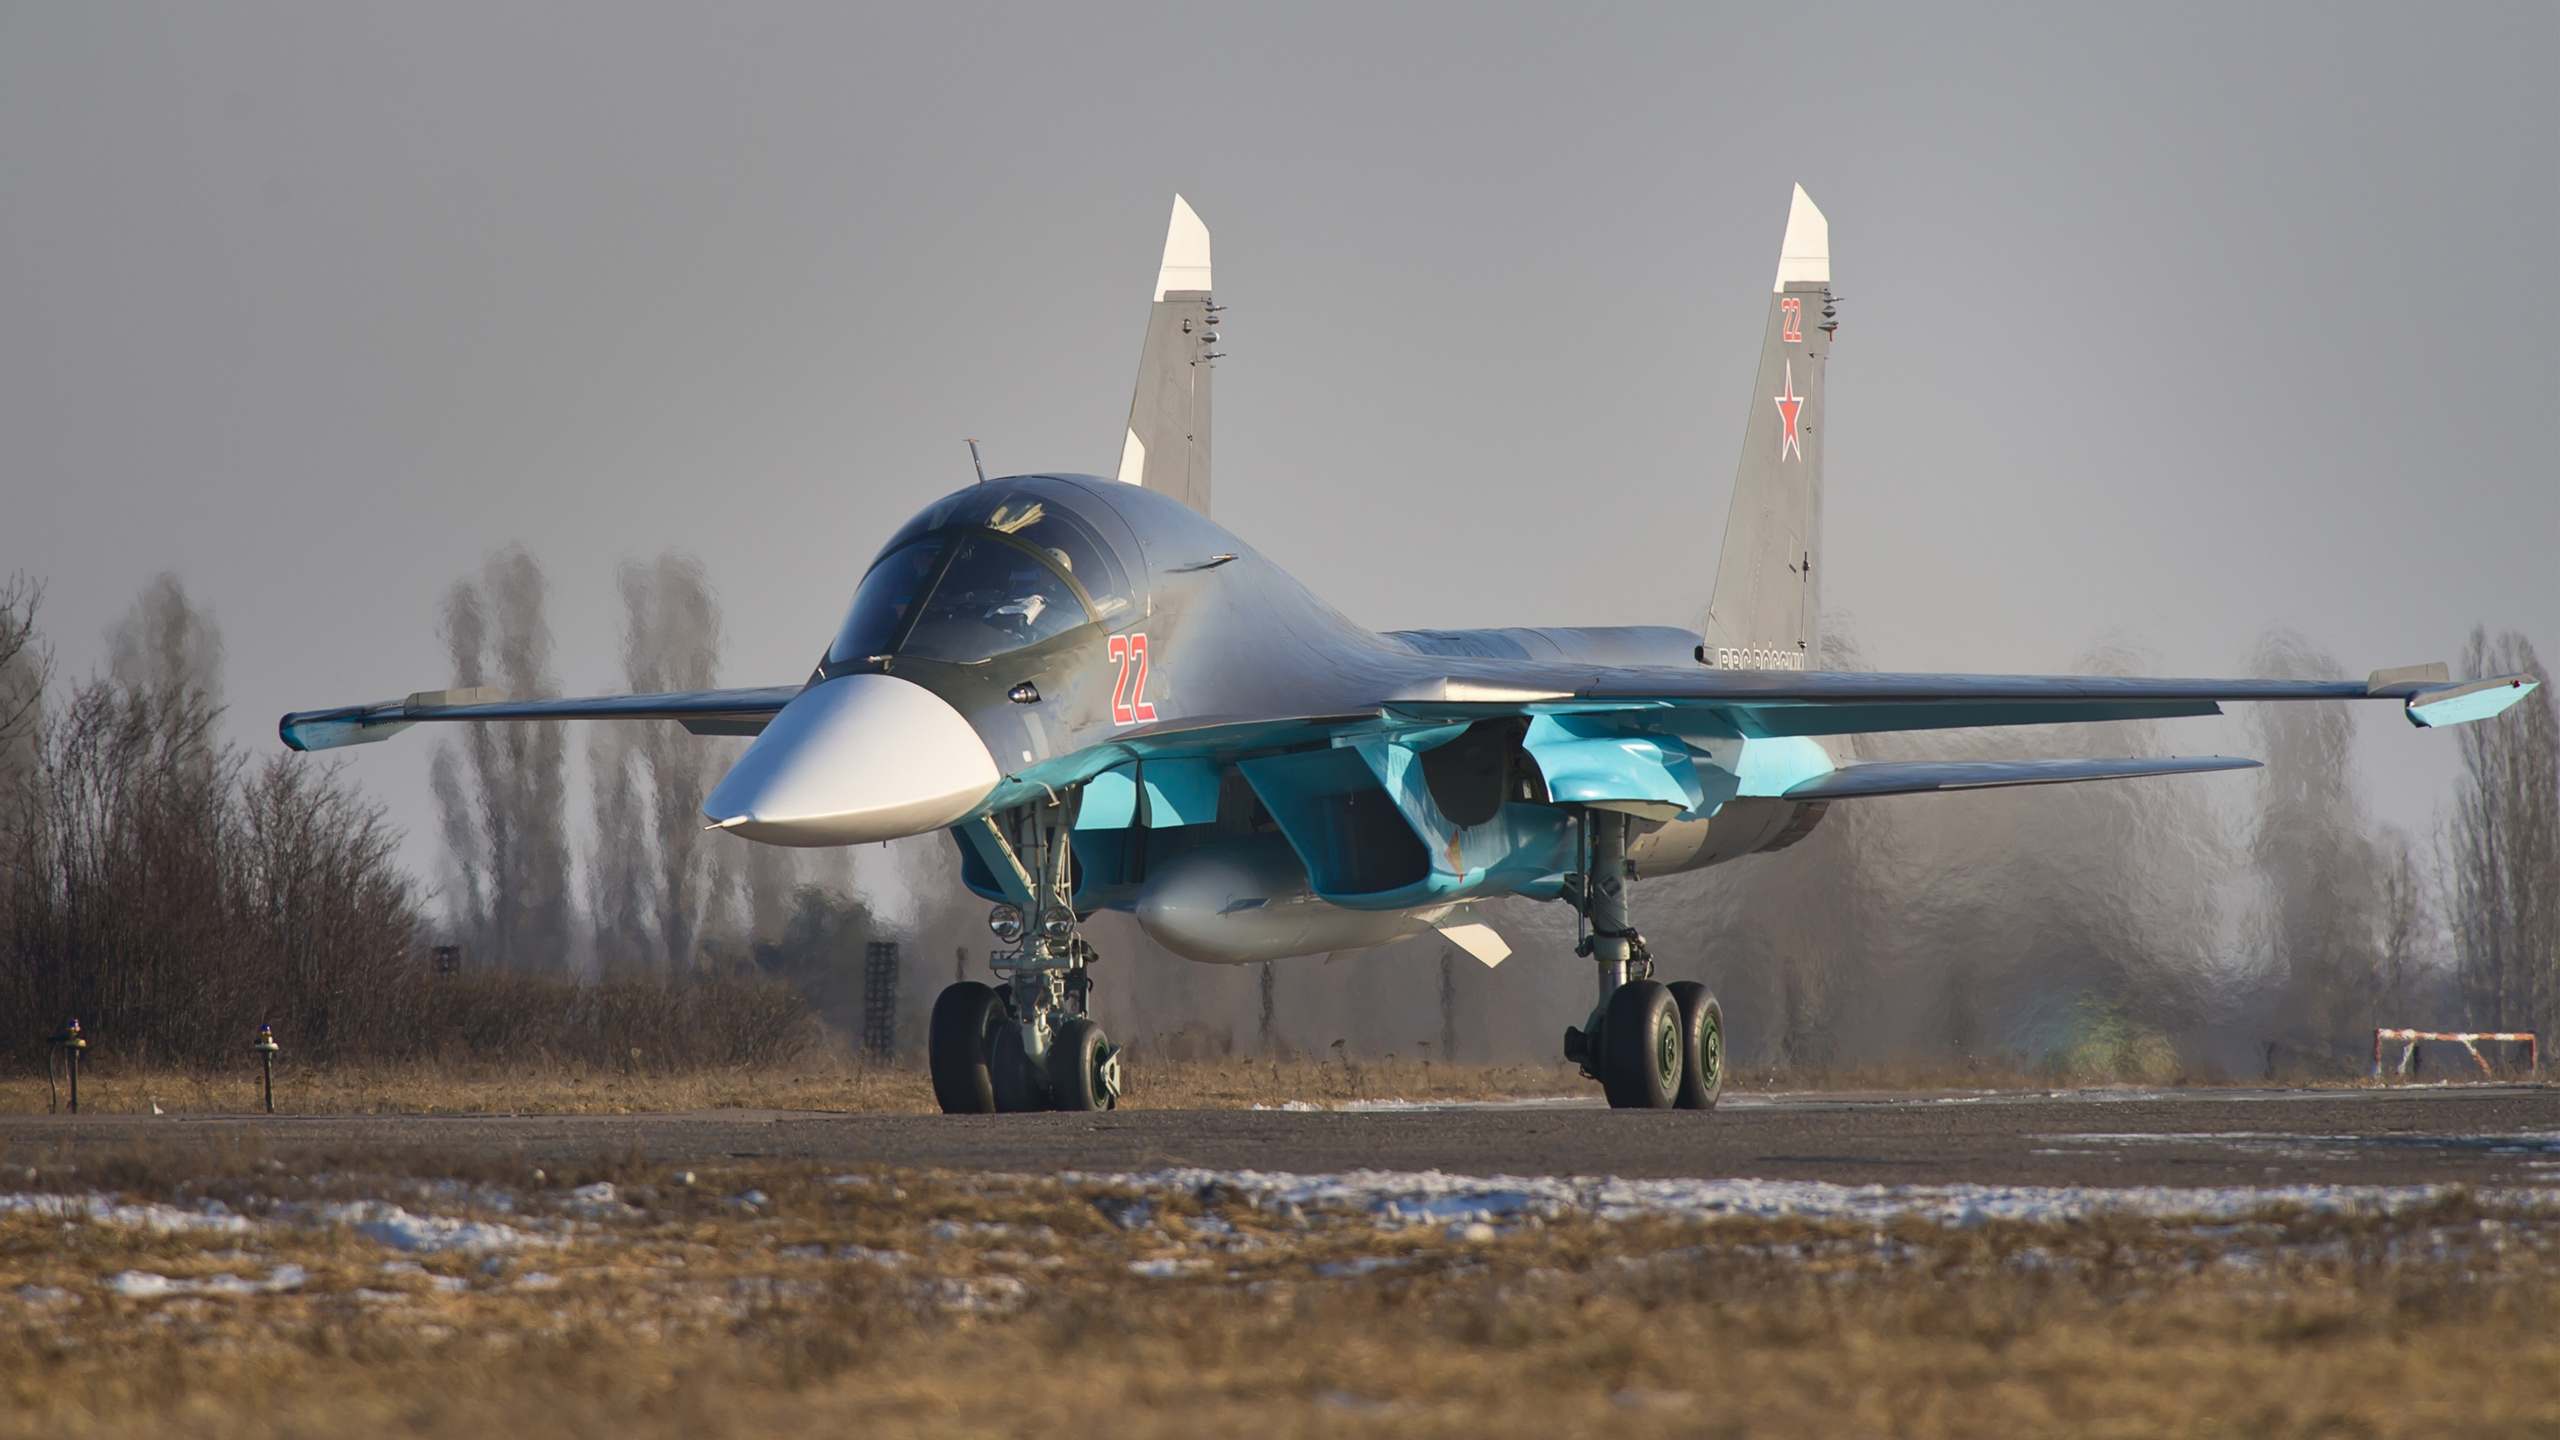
(1167, 449)
(1767, 610)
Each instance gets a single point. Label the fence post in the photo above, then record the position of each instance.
(71, 1042)
(266, 1048)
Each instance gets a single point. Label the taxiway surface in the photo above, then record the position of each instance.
(2480, 1135)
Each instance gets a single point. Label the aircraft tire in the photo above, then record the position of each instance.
(965, 1015)
(1640, 1052)
(1701, 1046)
(1019, 1084)
(1083, 1069)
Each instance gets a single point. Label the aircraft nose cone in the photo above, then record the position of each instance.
(852, 760)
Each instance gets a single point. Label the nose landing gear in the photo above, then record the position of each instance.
(1651, 1046)
(1030, 1044)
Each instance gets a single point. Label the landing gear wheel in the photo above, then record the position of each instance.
(964, 1019)
(1018, 1083)
(1701, 1046)
(1084, 1068)
(1640, 1049)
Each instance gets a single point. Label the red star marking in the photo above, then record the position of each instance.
(1788, 405)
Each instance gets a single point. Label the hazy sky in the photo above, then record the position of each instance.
(2162, 325)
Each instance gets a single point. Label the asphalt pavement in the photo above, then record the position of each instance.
(2480, 1135)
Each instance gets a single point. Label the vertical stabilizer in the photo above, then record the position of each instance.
(1766, 613)
(1166, 447)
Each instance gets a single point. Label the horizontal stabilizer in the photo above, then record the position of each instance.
(1917, 777)
(705, 712)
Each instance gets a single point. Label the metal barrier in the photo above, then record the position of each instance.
(2467, 1039)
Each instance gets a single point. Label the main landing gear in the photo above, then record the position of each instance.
(1028, 1044)
(1651, 1046)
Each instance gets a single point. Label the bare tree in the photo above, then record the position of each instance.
(621, 905)
(2408, 935)
(503, 797)
(24, 669)
(2504, 850)
(165, 642)
(171, 904)
(2322, 921)
(671, 641)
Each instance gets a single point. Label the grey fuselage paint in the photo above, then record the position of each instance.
(1218, 661)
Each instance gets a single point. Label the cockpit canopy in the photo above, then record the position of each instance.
(988, 571)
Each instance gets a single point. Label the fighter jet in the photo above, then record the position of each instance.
(1110, 702)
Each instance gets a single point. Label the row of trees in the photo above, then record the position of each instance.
(174, 895)
(663, 897)
(155, 883)
(156, 880)
(2020, 923)
(2504, 852)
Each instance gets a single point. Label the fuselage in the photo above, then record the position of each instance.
(1247, 784)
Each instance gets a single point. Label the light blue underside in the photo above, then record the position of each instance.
(1779, 764)
(1587, 760)
(2463, 709)
(1179, 792)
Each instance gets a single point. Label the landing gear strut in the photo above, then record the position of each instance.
(1651, 1046)
(1030, 1043)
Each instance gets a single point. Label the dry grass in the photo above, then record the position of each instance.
(981, 1306)
(831, 1080)
(530, 1089)
(819, 1082)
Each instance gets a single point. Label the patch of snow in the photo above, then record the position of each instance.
(1433, 1197)
(989, 1293)
(142, 1285)
(1130, 1214)
(427, 1234)
(1170, 1267)
(600, 1201)
(146, 1285)
(207, 1216)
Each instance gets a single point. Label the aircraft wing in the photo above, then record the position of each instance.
(704, 712)
(1917, 777)
(1766, 703)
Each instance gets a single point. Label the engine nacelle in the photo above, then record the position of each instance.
(1739, 828)
(1241, 902)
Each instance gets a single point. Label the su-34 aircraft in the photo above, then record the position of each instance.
(1112, 703)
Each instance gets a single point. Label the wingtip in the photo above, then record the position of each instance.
(1186, 251)
(1805, 255)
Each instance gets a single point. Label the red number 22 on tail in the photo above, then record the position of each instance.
(1129, 652)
